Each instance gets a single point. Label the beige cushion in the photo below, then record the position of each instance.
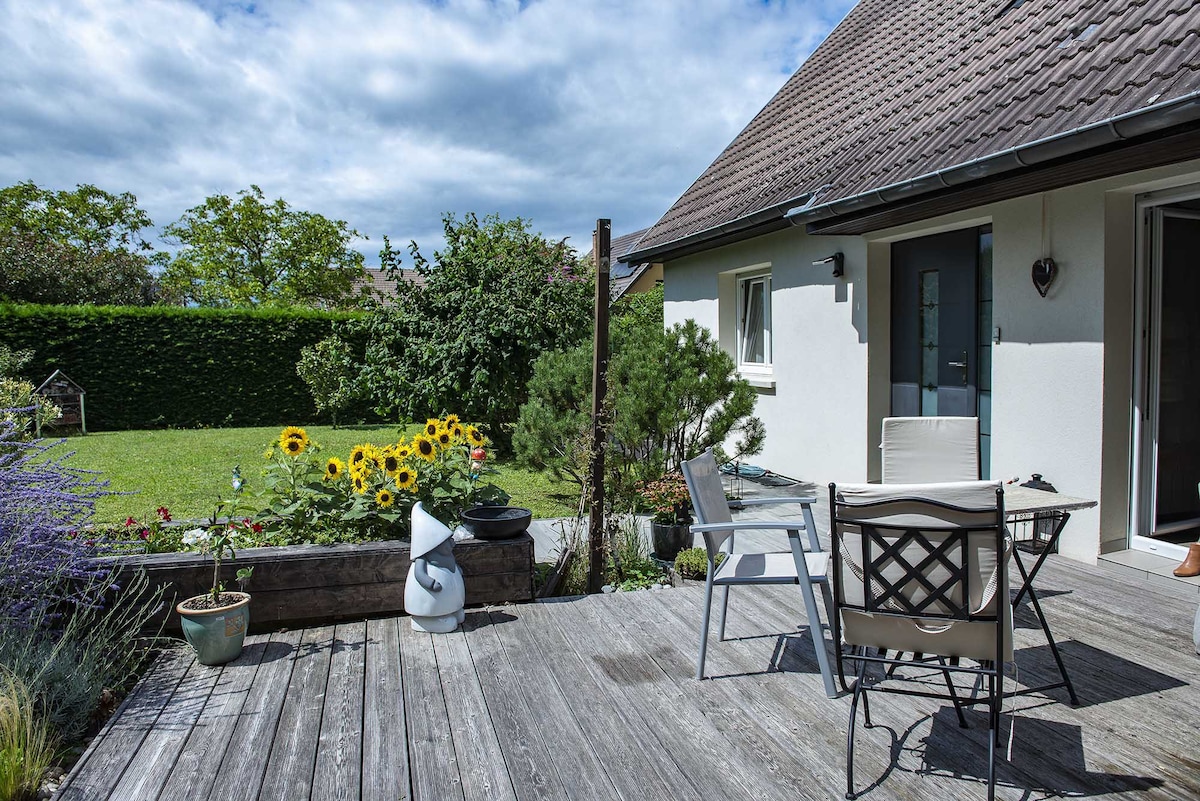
(922, 449)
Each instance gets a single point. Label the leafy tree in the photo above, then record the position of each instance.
(671, 394)
(330, 371)
(248, 252)
(74, 247)
(492, 301)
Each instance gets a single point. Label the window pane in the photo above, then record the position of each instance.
(753, 339)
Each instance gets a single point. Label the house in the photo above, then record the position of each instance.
(971, 207)
(630, 279)
(376, 284)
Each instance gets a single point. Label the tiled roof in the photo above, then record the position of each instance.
(904, 89)
(382, 287)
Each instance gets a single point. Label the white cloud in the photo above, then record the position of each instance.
(387, 114)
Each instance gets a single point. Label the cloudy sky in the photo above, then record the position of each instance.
(388, 114)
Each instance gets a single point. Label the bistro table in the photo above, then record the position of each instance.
(1025, 504)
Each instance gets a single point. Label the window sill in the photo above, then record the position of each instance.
(759, 380)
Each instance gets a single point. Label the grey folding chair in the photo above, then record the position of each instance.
(918, 450)
(805, 564)
(922, 569)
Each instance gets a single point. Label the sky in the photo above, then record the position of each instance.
(390, 114)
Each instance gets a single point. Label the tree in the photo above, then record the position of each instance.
(81, 246)
(330, 371)
(248, 252)
(493, 300)
(671, 394)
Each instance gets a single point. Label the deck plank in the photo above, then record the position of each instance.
(433, 766)
(337, 774)
(385, 774)
(292, 752)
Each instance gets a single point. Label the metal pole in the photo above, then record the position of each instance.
(602, 254)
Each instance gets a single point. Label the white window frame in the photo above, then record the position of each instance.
(764, 367)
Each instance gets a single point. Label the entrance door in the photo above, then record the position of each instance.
(1168, 508)
(941, 326)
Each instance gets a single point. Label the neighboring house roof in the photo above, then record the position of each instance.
(623, 276)
(383, 287)
(922, 97)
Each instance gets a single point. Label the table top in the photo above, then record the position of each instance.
(1021, 501)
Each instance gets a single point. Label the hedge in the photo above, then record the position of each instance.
(159, 367)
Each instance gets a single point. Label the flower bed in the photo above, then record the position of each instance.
(299, 584)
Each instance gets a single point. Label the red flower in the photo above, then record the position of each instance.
(257, 528)
(245, 521)
(165, 514)
(145, 534)
(129, 521)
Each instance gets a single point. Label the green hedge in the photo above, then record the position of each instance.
(162, 367)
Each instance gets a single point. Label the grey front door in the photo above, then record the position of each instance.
(935, 325)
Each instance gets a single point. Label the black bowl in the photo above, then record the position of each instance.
(496, 522)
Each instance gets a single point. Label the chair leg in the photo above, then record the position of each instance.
(708, 589)
(993, 735)
(962, 721)
(827, 595)
(724, 613)
(858, 693)
(818, 637)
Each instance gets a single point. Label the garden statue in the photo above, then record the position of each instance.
(433, 593)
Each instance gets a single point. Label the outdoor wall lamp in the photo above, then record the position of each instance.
(837, 260)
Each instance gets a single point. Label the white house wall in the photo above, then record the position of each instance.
(1052, 410)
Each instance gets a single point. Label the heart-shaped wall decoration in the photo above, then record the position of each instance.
(1044, 272)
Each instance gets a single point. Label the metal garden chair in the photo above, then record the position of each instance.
(805, 564)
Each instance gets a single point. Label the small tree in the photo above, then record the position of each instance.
(329, 370)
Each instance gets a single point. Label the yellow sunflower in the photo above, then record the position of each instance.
(458, 431)
(357, 454)
(293, 447)
(431, 427)
(475, 437)
(451, 420)
(334, 468)
(444, 437)
(385, 498)
(293, 432)
(391, 462)
(406, 479)
(360, 484)
(402, 451)
(425, 447)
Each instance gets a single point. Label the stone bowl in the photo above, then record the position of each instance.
(496, 522)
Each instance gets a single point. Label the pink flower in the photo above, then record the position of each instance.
(145, 534)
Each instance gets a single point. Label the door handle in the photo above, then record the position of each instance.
(961, 365)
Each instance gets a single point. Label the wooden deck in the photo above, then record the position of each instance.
(594, 699)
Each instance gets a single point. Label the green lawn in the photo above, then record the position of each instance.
(185, 470)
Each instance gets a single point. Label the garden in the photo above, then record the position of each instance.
(269, 443)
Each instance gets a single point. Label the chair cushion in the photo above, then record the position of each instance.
(768, 568)
(921, 449)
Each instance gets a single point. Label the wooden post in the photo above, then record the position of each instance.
(601, 253)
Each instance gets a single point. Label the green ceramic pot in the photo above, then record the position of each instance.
(216, 634)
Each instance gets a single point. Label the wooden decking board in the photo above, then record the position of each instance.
(240, 773)
(385, 749)
(433, 765)
(192, 775)
(526, 756)
(337, 774)
(636, 764)
(594, 699)
(482, 769)
(579, 768)
(110, 754)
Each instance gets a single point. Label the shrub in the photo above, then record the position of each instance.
(21, 405)
(329, 370)
(692, 563)
(26, 741)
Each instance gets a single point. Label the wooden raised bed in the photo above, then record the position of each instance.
(300, 584)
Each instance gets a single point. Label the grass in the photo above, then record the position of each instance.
(185, 470)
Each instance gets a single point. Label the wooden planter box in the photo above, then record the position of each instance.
(305, 584)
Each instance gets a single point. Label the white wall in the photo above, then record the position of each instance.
(1055, 411)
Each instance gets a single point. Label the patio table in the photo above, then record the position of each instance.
(1023, 504)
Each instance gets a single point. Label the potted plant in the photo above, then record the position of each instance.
(670, 526)
(215, 622)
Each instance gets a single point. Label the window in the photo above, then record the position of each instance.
(754, 323)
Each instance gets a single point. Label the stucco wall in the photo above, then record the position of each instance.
(1055, 410)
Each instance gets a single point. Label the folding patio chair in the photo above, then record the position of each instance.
(919, 450)
(922, 569)
(804, 565)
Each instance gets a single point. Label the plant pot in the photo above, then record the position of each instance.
(216, 635)
(496, 522)
(669, 540)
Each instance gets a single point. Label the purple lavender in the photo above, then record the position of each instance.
(46, 561)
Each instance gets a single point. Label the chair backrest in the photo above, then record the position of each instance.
(918, 450)
(922, 567)
(708, 495)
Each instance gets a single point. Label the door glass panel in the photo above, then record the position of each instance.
(984, 372)
(927, 316)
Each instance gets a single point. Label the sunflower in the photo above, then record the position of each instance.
(425, 447)
(444, 437)
(402, 451)
(458, 431)
(475, 437)
(293, 447)
(358, 458)
(451, 420)
(293, 432)
(360, 484)
(391, 462)
(431, 427)
(385, 498)
(334, 468)
(406, 479)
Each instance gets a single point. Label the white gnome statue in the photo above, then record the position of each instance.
(433, 593)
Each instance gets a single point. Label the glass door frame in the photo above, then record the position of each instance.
(1146, 358)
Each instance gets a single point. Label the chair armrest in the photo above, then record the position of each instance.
(768, 501)
(748, 525)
